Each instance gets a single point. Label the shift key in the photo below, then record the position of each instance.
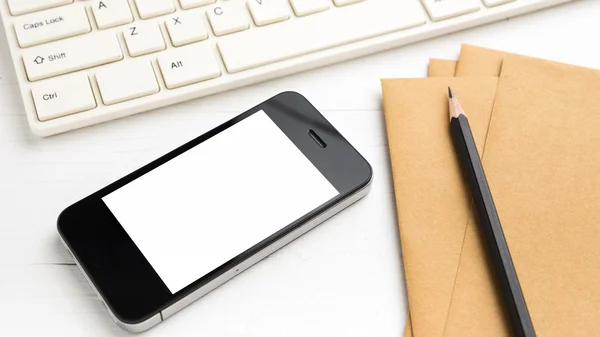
(71, 55)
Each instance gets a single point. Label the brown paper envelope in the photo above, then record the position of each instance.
(478, 61)
(541, 160)
(441, 68)
(437, 68)
(432, 201)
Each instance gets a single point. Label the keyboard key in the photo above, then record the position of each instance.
(340, 3)
(18, 7)
(186, 27)
(111, 13)
(492, 3)
(63, 96)
(144, 38)
(71, 55)
(306, 7)
(228, 18)
(153, 8)
(126, 81)
(187, 65)
(187, 4)
(257, 47)
(265, 12)
(445, 9)
(51, 25)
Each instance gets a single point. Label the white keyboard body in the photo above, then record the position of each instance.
(80, 63)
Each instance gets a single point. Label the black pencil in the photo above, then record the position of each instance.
(491, 229)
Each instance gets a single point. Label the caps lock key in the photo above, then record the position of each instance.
(51, 25)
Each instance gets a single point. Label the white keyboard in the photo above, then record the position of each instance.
(80, 63)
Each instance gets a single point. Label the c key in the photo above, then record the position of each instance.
(228, 18)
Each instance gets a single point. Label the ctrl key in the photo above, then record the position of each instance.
(62, 96)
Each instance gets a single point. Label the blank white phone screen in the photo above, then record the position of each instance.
(213, 202)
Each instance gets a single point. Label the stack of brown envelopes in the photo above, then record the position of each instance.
(537, 127)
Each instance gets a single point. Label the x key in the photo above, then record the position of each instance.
(187, 27)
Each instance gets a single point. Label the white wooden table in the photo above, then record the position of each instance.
(344, 278)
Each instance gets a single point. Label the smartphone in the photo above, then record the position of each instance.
(163, 236)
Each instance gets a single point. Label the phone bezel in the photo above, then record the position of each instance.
(121, 275)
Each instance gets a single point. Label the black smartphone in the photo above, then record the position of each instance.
(163, 236)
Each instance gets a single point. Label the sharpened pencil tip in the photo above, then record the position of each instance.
(454, 105)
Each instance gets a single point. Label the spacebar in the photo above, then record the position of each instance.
(281, 41)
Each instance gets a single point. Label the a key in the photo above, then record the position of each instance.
(71, 55)
(228, 18)
(306, 7)
(111, 13)
(18, 7)
(492, 3)
(340, 3)
(186, 27)
(51, 25)
(265, 12)
(445, 9)
(62, 96)
(187, 4)
(285, 40)
(187, 65)
(143, 38)
(153, 8)
(126, 81)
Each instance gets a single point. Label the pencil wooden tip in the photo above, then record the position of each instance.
(455, 109)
